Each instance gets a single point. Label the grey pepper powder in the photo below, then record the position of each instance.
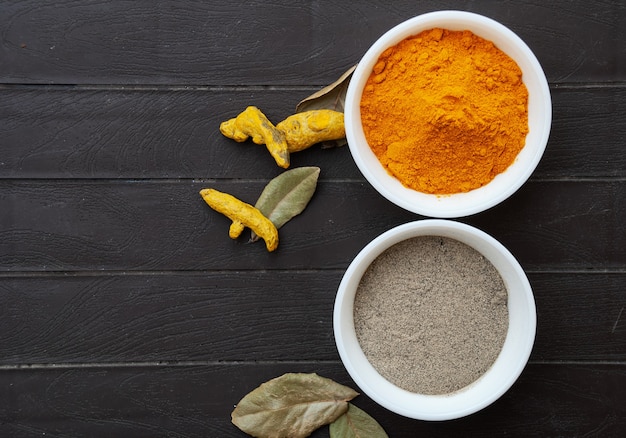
(431, 315)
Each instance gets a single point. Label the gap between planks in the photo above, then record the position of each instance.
(143, 273)
(258, 87)
(158, 364)
(199, 363)
(163, 88)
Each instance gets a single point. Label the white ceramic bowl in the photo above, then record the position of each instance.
(500, 376)
(503, 185)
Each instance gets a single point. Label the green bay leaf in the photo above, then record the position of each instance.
(287, 195)
(292, 405)
(356, 423)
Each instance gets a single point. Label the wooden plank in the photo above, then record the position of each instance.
(202, 316)
(78, 42)
(104, 133)
(116, 133)
(561, 225)
(586, 134)
(258, 315)
(146, 225)
(576, 307)
(185, 401)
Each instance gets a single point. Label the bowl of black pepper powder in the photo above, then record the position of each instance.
(434, 320)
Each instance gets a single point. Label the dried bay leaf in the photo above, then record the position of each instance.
(292, 405)
(356, 423)
(287, 195)
(331, 97)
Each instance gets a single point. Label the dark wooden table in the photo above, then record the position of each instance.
(125, 309)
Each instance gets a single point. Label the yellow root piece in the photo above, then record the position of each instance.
(253, 123)
(236, 228)
(303, 130)
(238, 211)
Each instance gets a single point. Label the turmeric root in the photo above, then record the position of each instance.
(294, 134)
(236, 228)
(303, 130)
(240, 212)
(253, 123)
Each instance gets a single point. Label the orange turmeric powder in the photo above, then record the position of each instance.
(445, 111)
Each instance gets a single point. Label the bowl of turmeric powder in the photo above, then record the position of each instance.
(448, 114)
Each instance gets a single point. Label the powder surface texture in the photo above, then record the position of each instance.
(431, 314)
(445, 111)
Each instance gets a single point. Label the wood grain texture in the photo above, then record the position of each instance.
(256, 316)
(171, 42)
(573, 306)
(125, 309)
(196, 401)
(145, 225)
(158, 133)
(145, 133)
(211, 316)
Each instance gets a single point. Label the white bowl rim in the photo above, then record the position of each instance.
(504, 184)
(495, 382)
